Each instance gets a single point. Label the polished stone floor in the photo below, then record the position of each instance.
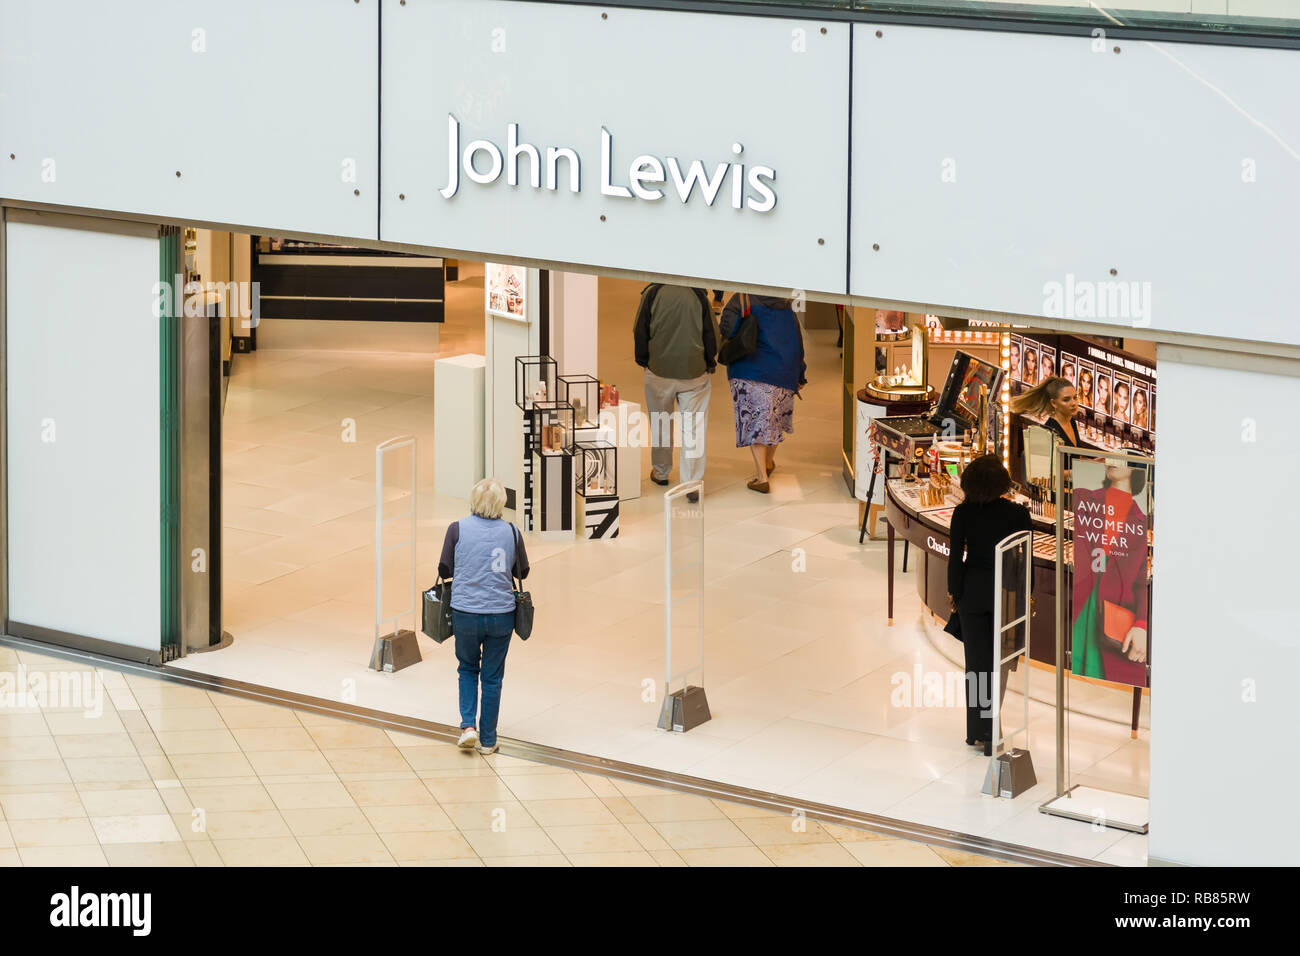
(802, 671)
(121, 770)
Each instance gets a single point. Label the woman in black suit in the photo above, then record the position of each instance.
(982, 520)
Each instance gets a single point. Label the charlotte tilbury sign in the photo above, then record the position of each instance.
(483, 162)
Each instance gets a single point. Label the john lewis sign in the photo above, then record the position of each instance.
(483, 162)
(628, 143)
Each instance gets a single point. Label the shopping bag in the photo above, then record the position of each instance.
(436, 620)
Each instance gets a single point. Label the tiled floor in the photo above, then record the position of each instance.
(801, 669)
(160, 775)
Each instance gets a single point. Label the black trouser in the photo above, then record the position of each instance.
(977, 636)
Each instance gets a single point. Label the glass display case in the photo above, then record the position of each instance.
(552, 428)
(583, 393)
(535, 380)
(597, 468)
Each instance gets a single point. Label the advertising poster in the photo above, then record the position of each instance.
(506, 287)
(1086, 375)
(1108, 629)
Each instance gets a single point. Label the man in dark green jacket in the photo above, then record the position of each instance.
(676, 342)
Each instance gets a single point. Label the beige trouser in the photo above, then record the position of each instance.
(690, 398)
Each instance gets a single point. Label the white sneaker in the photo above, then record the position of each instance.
(468, 739)
(488, 750)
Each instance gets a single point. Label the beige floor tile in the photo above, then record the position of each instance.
(360, 848)
(134, 721)
(392, 793)
(6, 837)
(649, 838)
(894, 853)
(32, 772)
(344, 735)
(273, 738)
(154, 694)
(203, 853)
(76, 724)
(245, 824)
(189, 767)
(217, 799)
(541, 859)
(276, 851)
(428, 845)
(256, 715)
(279, 763)
(149, 828)
(486, 816)
(366, 760)
(851, 834)
(198, 741)
(725, 856)
(513, 841)
(701, 834)
(117, 803)
(962, 858)
(146, 744)
(104, 769)
(305, 796)
(572, 812)
(594, 838)
(739, 811)
(549, 786)
(470, 789)
(22, 725)
(629, 858)
(675, 806)
(666, 858)
(810, 854)
(89, 854)
(600, 786)
(192, 825)
(765, 831)
(9, 857)
(176, 719)
(28, 748)
(441, 756)
(467, 861)
(408, 819)
(41, 806)
(148, 854)
(328, 821)
(62, 831)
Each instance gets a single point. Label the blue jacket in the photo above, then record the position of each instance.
(479, 555)
(778, 360)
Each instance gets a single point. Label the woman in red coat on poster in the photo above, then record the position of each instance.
(1110, 578)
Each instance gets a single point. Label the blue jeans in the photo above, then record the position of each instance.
(481, 644)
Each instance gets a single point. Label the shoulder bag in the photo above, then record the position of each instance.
(743, 341)
(436, 616)
(523, 600)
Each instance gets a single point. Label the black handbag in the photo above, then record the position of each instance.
(953, 626)
(523, 600)
(436, 611)
(743, 341)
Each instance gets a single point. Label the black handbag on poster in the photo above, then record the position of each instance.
(436, 611)
(743, 341)
(523, 600)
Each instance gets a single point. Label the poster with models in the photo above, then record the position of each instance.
(1140, 405)
(1086, 375)
(1101, 391)
(1017, 344)
(1030, 373)
(506, 290)
(1121, 392)
(1069, 369)
(1108, 633)
(1046, 363)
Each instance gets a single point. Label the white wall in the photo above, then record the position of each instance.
(986, 165)
(82, 370)
(1225, 646)
(259, 104)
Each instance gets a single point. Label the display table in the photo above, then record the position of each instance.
(458, 403)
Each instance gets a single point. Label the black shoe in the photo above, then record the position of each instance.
(692, 496)
(658, 481)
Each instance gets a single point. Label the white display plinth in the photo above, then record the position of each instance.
(862, 458)
(622, 425)
(458, 424)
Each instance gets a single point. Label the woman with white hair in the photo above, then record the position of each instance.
(480, 554)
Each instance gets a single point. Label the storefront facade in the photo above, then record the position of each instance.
(550, 134)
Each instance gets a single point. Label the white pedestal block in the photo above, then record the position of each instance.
(458, 424)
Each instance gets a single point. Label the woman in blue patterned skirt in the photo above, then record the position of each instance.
(765, 383)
